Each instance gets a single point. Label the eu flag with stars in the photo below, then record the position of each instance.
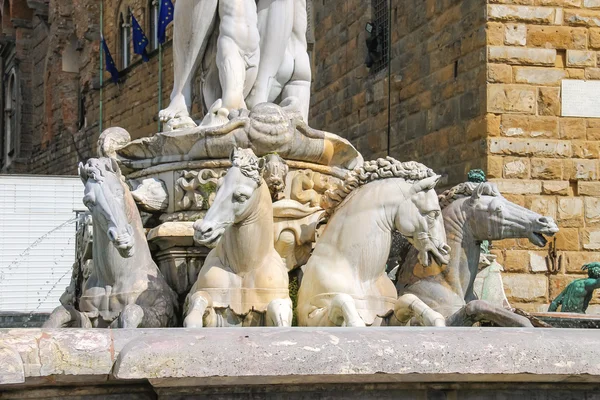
(110, 63)
(140, 41)
(165, 17)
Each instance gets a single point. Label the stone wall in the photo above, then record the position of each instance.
(438, 82)
(540, 159)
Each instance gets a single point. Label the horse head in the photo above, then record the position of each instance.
(237, 196)
(491, 217)
(420, 220)
(104, 196)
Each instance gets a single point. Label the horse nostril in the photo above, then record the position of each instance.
(112, 234)
(207, 230)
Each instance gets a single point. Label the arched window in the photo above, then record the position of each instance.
(124, 40)
(10, 118)
(153, 24)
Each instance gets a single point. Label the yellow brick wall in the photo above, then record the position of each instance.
(540, 159)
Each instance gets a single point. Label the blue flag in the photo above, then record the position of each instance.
(110, 63)
(165, 17)
(140, 41)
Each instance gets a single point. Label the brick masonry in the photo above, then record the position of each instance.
(474, 84)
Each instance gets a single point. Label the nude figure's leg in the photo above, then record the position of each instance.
(298, 88)
(194, 21)
(409, 306)
(275, 22)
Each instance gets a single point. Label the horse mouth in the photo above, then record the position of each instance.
(209, 241)
(125, 247)
(538, 238)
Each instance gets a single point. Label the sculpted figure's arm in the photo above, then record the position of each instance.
(194, 21)
(556, 302)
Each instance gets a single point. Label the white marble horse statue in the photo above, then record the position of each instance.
(472, 212)
(345, 283)
(244, 280)
(125, 289)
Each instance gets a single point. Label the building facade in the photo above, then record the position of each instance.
(461, 84)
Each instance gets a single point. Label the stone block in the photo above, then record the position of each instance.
(521, 56)
(594, 38)
(560, 188)
(539, 76)
(585, 170)
(557, 37)
(548, 169)
(582, 17)
(543, 205)
(570, 212)
(495, 33)
(535, 148)
(567, 239)
(521, 287)
(579, 58)
(506, 13)
(537, 261)
(516, 261)
(12, 370)
(572, 128)
(590, 239)
(512, 98)
(588, 188)
(591, 3)
(518, 186)
(516, 168)
(549, 102)
(592, 210)
(529, 126)
(495, 167)
(499, 73)
(574, 260)
(584, 149)
(592, 73)
(515, 35)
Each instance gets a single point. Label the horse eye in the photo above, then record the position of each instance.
(240, 198)
(433, 214)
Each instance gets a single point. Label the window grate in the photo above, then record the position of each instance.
(381, 24)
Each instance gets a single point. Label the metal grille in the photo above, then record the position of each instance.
(381, 22)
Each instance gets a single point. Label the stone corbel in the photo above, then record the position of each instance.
(39, 7)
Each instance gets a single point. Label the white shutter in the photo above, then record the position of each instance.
(37, 245)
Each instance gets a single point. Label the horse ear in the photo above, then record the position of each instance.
(115, 166)
(478, 192)
(82, 174)
(426, 184)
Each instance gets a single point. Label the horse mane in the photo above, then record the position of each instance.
(248, 163)
(96, 168)
(466, 189)
(382, 168)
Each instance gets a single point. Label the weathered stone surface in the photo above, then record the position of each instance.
(537, 262)
(515, 34)
(570, 211)
(539, 76)
(556, 187)
(499, 73)
(522, 56)
(590, 239)
(577, 58)
(592, 210)
(567, 239)
(517, 186)
(542, 15)
(12, 367)
(516, 169)
(588, 188)
(549, 101)
(582, 17)
(546, 169)
(529, 126)
(538, 148)
(512, 98)
(521, 287)
(557, 37)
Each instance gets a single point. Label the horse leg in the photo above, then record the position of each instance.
(201, 312)
(478, 310)
(409, 305)
(131, 316)
(63, 317)
(343, 310)
(279, 313)
(285, 246)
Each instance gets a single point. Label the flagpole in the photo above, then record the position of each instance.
(160, 83)
(101, 105)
